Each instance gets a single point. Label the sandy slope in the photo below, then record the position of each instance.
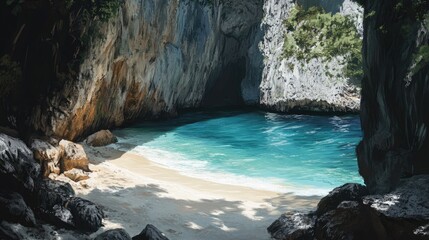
(134, 191)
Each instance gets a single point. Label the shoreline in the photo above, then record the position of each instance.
(135, 191)
(270, 185)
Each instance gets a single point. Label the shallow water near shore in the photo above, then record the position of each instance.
(303, 154)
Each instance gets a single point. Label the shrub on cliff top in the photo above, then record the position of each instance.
(313, 33)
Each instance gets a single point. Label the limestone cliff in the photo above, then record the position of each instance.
(316, 85)
(154, 57)
(395, 93)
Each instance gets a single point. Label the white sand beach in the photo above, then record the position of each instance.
(134, 191)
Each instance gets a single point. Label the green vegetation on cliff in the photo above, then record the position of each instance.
(313, 33)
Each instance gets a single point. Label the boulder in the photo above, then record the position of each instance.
(50, 167)
(60, 216)
(405, 211)
(14, 209)
(87, 216)
(408, 201)
(76, 175)
(56, 203)
(347, 192)
(350, 221)
(348, 213)
(50, 193)
(51, 198)
(18, 170)
(7, 231)
(150, 232)
(101, 138)
(114, 234)
(293, 226)
(74, 156)
(44, 151)
(48, 155)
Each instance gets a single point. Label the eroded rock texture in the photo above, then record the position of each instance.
(395, 94)
(154, 57)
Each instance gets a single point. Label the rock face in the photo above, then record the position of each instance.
(101, 138)
(156, 57)
(401, 214)
(395, 95)
(314, 86)
(153, 58)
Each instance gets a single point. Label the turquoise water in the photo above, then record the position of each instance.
(285, 153)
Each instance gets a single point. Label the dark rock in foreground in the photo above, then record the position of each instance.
(7, 232)
(52, 201)
(18, 170)
(350, 220)
(346, 213)
(57, 204)
(60, 216)
(409, 201)
(87, 215)
(114, 234)
(13, 208)
(50, 193)
(293, 226)
(349, 191)
(150, 232)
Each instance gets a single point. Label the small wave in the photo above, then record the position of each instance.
(268, 151)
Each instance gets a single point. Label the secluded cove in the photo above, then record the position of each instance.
(303, 154)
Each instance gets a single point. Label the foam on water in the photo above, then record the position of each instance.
(305, 155)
